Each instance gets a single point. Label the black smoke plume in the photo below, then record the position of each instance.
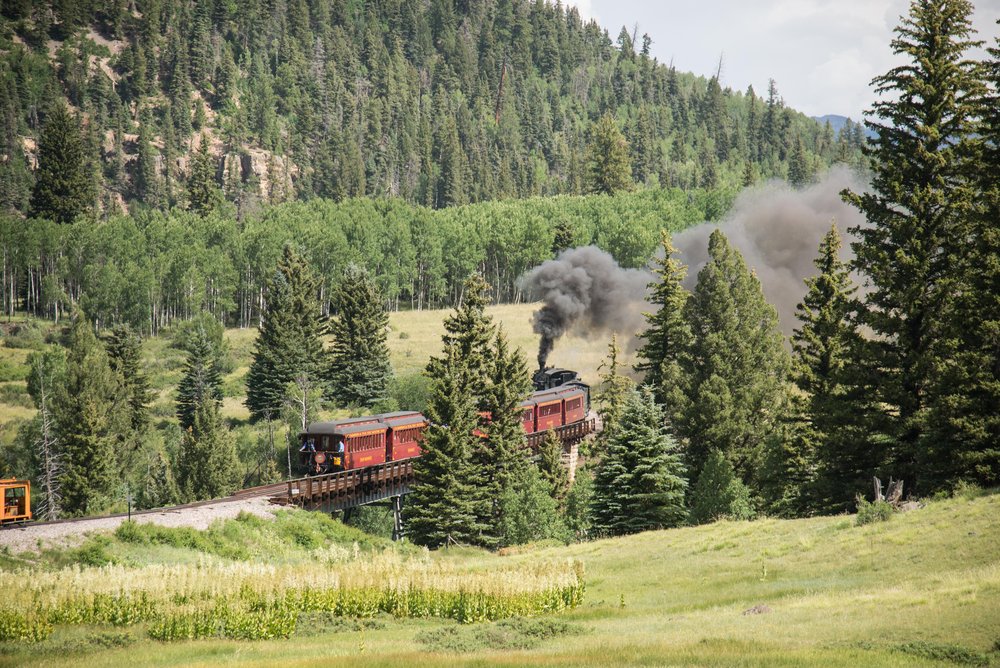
(778, 229)
(585, 289)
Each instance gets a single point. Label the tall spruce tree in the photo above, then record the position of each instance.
(64, 187)
(502, 456)
(125, 356)
(458, 473)
(289, 343)
(609, 165)
(202, 379)
(359, 357)
(911, 251)
(668, 336)
(738, 365)
(827, 345)
(963, 420)
(90, 419)
(443, 506)
(640, 481)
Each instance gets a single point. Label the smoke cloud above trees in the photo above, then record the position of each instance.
(777, 229)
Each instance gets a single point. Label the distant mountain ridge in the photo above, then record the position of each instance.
(838, 123)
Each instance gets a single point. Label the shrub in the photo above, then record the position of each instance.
(967, 490)
(944, 652)
(23, 626)
(27, 336)
(10, 371)
(869, 513)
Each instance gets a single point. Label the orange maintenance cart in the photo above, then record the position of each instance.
(16, 495)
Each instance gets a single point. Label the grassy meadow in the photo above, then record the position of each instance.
(922, 589)
(414, 336)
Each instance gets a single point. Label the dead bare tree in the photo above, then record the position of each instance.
(47, 450)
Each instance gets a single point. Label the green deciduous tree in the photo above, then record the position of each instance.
(359, 357)
(289, 342)
(64, 187)
(640, 482)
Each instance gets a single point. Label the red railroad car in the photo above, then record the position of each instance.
(405, 431)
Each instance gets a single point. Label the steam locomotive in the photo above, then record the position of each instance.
(560, 400)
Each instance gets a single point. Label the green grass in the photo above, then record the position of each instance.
(920, 590)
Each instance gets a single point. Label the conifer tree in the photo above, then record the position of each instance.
(90, 420)
(609, 166)
(963, 421)
(668, 335)
(552, 469)
(289, 342)
(640, 482)
(202, 379)
(469, 331)
(738, 366)
(614, 388)
(719, 493)
(204, 193)
(207, 463)
(159, 487)
(64, 188)
(125, 356)
(826, 348)
(359, 357)
(442, 507)
(910, 251)
(502, 457)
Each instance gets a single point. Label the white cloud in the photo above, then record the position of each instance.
(821, 53)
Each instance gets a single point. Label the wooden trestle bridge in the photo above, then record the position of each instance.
(391, 481)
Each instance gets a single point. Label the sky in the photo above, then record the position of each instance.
(821, 53)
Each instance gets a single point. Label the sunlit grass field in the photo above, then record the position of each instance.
(413, 337)
(922, 589)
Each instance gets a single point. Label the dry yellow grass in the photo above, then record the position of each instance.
(423, 329)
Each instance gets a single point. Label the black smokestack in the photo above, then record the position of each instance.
(584, 288)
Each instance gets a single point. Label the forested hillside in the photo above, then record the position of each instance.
(438, 103)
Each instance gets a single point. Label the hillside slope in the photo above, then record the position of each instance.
(438, 102)
(920, 590)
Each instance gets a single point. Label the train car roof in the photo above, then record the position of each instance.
(406, 420)
(339, 426)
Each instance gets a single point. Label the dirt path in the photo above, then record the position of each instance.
(68, 534)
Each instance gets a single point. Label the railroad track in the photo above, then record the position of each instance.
(270, 491)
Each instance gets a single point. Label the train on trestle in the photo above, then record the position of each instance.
(560, 399)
